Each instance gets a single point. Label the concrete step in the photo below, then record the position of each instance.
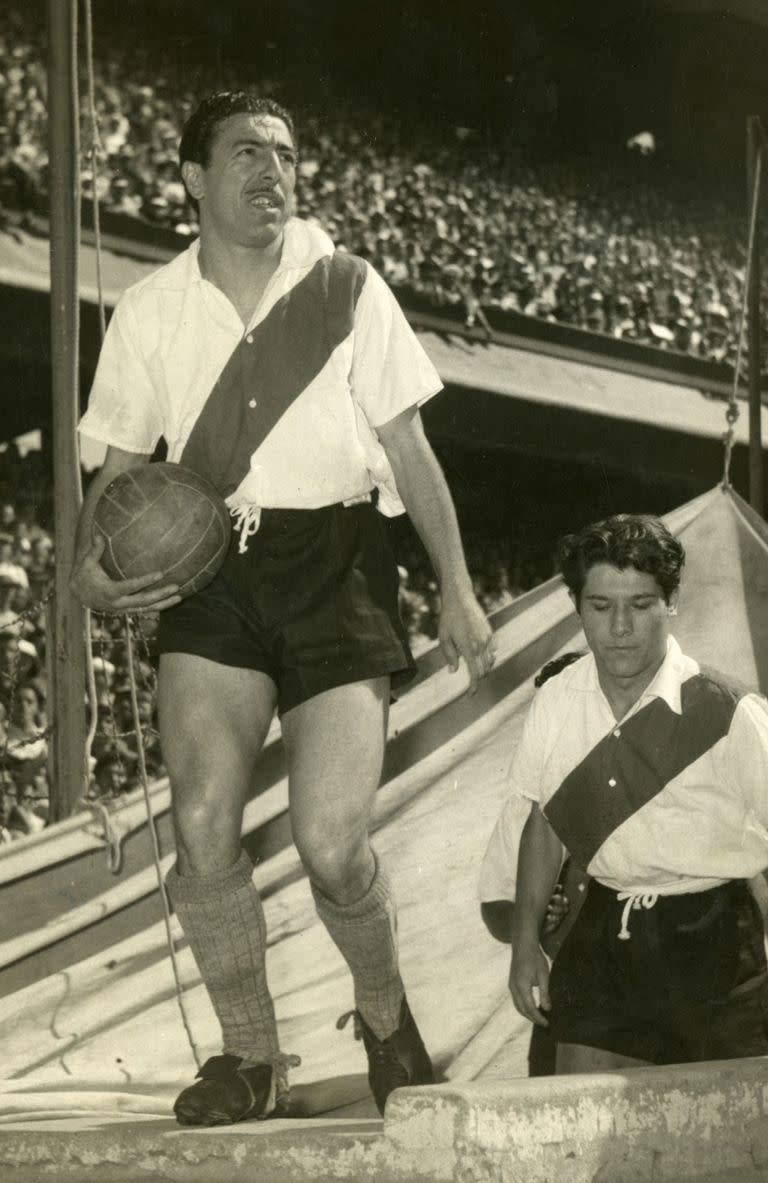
(702, 1122)
(647, 1125)
(129, 1150)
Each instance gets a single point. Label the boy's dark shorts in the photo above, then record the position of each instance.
(313, 603)
(690, 983)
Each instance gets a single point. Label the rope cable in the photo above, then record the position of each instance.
(156, 843)
(95, 150)
(95, 143)
(179, 988)
(732, 413)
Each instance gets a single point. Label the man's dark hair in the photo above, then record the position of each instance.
(200, 129)
(625, 540)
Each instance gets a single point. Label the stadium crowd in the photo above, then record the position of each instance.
(610, 246)
(26, 557)
(26, 717)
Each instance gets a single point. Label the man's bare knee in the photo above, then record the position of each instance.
(207, 831)
(341, 870)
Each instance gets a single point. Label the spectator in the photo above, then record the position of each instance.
(110, 776)
(10, 664)
(22, 818)
(10, 570)
(27, 747)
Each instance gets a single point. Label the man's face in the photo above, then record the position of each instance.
(27, 703)
(246, 190)
(115, 778)
(626, 622)
(10, 792)
(146, 707)
(9, 649)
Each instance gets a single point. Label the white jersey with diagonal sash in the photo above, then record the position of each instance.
(672, 798)
(325, 383)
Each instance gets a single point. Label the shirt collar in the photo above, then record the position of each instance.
(668, 680)
(303, 244)
(675, 669)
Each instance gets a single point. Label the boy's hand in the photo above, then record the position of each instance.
(529, 984)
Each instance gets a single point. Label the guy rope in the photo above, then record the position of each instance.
(95, 155)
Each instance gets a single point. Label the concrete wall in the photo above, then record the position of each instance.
(645, 1126)
(705, 1122)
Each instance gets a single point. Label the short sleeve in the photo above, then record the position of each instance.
(390, 368)
(526, 773)
(498, 871)
(745, 757)
(123, 408)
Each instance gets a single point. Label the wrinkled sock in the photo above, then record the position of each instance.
(223, 920)
(365, 933)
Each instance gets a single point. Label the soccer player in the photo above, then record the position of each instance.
(284, 371)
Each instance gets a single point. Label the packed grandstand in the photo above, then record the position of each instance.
(614, 245)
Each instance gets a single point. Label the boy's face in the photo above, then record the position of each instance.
(626, 621)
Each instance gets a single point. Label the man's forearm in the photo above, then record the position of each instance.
(539, 861)
(464, 631)
(88, 580)
(427, 498)
(116, 462)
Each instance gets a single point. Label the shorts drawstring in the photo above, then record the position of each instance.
(636, 901)
(247, 518)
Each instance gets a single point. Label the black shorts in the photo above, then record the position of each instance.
(688, 983)
(313, 603)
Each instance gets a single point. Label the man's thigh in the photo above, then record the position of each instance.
(213, 721)
(335, 743)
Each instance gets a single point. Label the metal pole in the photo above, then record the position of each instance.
(754, 149)
(68, 664)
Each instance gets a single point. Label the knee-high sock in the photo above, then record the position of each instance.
(365, 933)
(223, 920)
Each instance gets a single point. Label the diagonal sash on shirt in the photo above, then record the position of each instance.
(623, 773)
(271, 366)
